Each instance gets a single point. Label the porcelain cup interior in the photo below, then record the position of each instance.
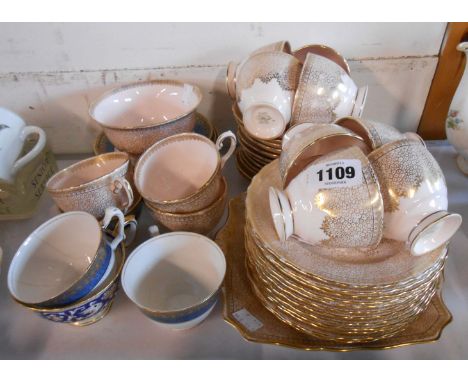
(85, 172)
(171, 275)
(85, 310)
(306, 142)
(145, 104)
(413, 188)
(102, 179)
(433, 230)
(180, 166)
(324, 51)
(54, 257)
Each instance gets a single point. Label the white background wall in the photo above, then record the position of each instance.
(51, 72)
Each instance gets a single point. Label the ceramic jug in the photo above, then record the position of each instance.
(13, 133)
(456, 125)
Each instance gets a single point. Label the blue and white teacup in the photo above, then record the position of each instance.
(96, 304)
(174, 278)
(63, 260)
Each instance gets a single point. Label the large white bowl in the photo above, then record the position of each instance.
(137, 115)
(174, 278)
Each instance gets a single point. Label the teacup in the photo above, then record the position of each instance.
(94, 184)
(413, 188)
(95, 305)
(202, 221)
(183, 173)
(278, 46)
(325, 205)
(324, 51)
(136, 116)
(265, 86)
(174, 278)
(13, 134)
(306, 142)
(63, 259)
(325, 93)
(231, 74)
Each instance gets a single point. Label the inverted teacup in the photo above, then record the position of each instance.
(63, 259)
(414, 192)
(278, 46)
(325, 93)
(265, 86)
(306, 142)
(335, 201)
(183, 173)
(174, 278)
(324, 51)
(94, 184)
(136, 116)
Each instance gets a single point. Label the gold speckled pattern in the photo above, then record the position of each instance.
(96, 196)
(238, 295)
(388, 263)
(401, 167)
(318, 78)
(267, 66)
(202, 221)
(137, 140)
(354, 214)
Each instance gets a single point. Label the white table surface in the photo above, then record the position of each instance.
(126, 334)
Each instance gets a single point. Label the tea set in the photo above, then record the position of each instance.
(302, 105)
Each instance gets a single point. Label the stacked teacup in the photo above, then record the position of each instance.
(180, 179)
(275, 88)
(67, 270)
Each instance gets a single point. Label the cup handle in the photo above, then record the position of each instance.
(220, 143)
(35, 151)
(122, 184)
(111, 213)
(153, 230)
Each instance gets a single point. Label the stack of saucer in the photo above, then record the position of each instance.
(253, 153)
(345, 295)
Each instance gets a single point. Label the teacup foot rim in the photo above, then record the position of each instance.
(94, 319)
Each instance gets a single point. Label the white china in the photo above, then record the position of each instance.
(265, 86)
(414, 189)
(456, 125)
(137, 115)
(174, 278)
(326, 92)
(63, 259)
(182, 171)
(13, 133)
(342, 215)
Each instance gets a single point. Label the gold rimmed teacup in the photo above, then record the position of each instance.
(324, 51)
(94, 184)
(137, 115)
(306, 142)
(325, 93)
(183, 173)
(202, 221)
(413, 189)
